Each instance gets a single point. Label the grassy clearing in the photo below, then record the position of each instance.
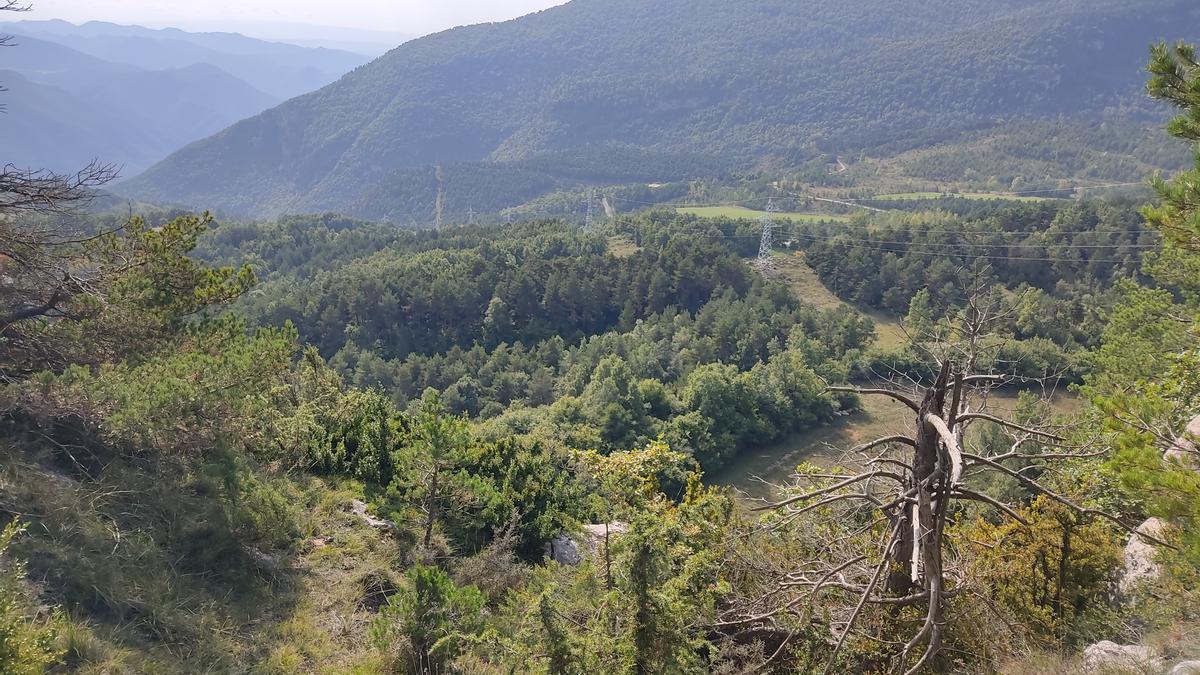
(743, 212)
(808, 287)
(821, 446)
(909, 196)
(879, 416)
(621, 247)
(159, 571)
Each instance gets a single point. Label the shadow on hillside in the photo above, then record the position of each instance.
(177, 557)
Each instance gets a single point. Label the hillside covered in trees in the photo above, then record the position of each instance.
(620, 92)
(318, 444)
(131, 96)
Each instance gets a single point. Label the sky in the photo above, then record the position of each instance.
(366, 17)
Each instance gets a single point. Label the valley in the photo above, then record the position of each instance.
(681, 337)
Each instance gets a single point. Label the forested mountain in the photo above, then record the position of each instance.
(131, 96)
(67, 108)
(281, 70)
(666, 90)
(322, 444)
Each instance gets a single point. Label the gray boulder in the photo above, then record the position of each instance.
(359, 508)
(566, 550)
(1186, 668)
(1140, 565)
(1184, 450)
(1105, 657)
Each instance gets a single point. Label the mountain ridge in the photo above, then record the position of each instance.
(281, 69)
(740, 84)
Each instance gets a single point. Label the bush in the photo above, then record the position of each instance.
(427, 621)
(28, 644)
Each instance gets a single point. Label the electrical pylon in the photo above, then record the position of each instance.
(587, 220)
(768, 236)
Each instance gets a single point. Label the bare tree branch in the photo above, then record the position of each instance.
(880, 392)
(1010, 425)
(832, 488)
(951, 444)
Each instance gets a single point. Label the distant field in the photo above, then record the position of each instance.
(743, 212)
(982, 196)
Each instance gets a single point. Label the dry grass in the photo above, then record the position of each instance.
(808, 287)
(622, 247)
(139, 559)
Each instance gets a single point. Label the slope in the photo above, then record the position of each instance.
(281, 70)
(613, 85)
(66, 107)
(47, 127)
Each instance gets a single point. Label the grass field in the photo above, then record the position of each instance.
(622, 247)
(743, 212)
(879, 416)
(808, 287)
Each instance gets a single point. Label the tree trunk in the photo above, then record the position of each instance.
(607, 561)
(431, 507)
(919, 545)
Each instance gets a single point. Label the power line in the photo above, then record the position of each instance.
(992, 245)
(848, 201)
(917, 249)
(587, 221)
(945, 254)
(1023, 233)
(916, 245)
(1050, 244)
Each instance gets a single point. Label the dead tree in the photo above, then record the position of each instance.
(906, 489)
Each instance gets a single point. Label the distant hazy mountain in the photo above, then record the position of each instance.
(282, 70)
(131, 96)
(66, 107)
(634, 90)
(371, 43)
(44, 126)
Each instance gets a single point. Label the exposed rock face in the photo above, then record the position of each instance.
(567, 551)
(1109, 656)
(1140, 566)
(1184, 450)
(595, 533)
(1186, 668)
(359, 508)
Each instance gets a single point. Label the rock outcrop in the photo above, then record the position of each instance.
(1184, 450)
(1140, 565)
(566, 550)
(1186, 668)
(359, 508)
(1106, 656)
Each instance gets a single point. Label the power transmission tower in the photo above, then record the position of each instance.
(768, 236)
(440, 205)
(587, 221)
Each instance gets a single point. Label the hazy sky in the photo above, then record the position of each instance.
(406, 17)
